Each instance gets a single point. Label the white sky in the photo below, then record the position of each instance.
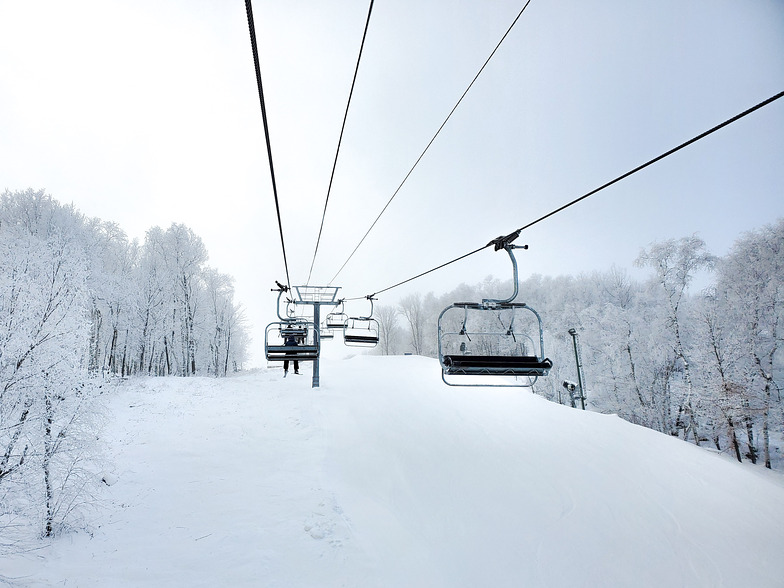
(146, 113)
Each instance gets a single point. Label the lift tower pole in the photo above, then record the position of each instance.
(573, 333)
(316, 296)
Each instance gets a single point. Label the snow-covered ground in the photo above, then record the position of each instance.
(384, 476)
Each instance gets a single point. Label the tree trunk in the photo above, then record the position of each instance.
(47, 463)
(94, 344)
(228, 347)
(734, 438)
(166, 354)
(768, 377)
(632, 367)
(125, 368)
(112, 352)
(750, 434)
(765, 426)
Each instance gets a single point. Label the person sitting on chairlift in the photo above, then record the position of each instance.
(290, 341)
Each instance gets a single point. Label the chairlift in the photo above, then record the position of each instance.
(361, 331)
(336, 319)
(278, 337)
(492, 338)
(291, 338)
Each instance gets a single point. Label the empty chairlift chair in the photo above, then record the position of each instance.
(499, 340)
(361, 331)
(492, 338)
(336, 320)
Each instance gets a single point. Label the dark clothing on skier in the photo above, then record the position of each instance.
(290, 341)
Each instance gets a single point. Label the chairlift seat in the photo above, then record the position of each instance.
(353, 338)
(292, 352)
(511, 365)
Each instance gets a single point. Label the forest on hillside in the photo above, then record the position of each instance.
(704, 366)
(81, 304)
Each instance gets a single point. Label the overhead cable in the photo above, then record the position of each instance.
(599, 189)
(655, 159)
(252, 30)
(340, 140)
(443, 124)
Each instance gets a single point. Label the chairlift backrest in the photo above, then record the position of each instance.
(361, 332)
(336, 320)
(291, 340)
(297, 330)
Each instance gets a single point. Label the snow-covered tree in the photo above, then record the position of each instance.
(412, 310)
(675, 262)
(44, 394)
(388, 328)
(79, 302)
(751, 280)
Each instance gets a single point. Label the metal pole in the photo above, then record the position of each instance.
(573, 333)
(317, 323)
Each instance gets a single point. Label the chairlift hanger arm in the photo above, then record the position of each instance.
(505, 243)
(281, 289)
(370, 297)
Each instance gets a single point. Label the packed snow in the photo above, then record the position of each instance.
(384, 476)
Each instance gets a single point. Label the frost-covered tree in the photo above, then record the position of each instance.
(111, 271)
(388, 328)
(721, 378)
(184, 255)
(412, 310)
(79, 302)
(751, 279)
(674, 263)
(43, 391)
(151, 298)
(223, 323)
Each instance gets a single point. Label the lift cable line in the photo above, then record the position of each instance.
(655, 159)
(509, 238)
(252, 30)
(443, 124)
(340, 140)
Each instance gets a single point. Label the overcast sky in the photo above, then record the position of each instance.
(146, 112)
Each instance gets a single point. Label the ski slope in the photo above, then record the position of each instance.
(384, 476)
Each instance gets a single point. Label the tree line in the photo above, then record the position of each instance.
(80, 303)
(703, 366)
